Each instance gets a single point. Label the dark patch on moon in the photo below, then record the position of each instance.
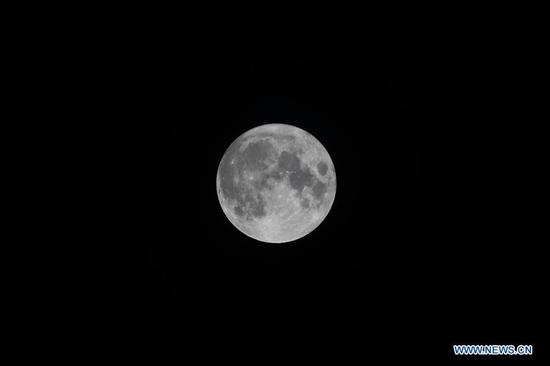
(298, 178)
(319, 190)
(257, 207)
(256, 153)
(238, 211)
(289, 162)
(322, 168)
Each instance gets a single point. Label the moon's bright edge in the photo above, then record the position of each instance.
(276, 183)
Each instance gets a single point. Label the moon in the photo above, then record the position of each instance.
(276, 183)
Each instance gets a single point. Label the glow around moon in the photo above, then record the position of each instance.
(276, 183)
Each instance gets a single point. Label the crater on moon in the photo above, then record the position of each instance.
(276, 183)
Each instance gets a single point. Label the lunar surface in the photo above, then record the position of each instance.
(276, 183)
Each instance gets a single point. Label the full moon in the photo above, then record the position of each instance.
(276, 183)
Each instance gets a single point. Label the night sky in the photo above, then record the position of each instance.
(425, 244)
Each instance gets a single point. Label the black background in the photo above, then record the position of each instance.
(427, 243)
